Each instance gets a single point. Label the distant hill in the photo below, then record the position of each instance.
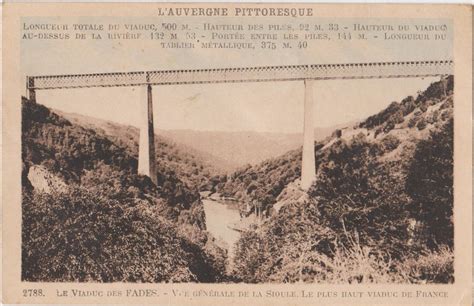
(245, 147)
(237, 148)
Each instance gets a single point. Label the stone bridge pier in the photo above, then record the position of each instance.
(308, 166)
(146, 151)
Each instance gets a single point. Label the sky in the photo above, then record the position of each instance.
(263, 107)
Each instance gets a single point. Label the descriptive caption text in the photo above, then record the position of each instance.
(210, 293)
(237, 35)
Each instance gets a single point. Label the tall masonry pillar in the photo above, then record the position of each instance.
(146, 151)
(308, 167)
(30, 87)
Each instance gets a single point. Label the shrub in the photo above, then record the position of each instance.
(249, 256)
(397, 117)
(357, 264)
(430, 267)
(408, 105)
(413, 121)
(447, 104)
(433, 117)
(264, 182)
(424, 107)
(381, 117)
(446, 114)
(377, 132)
(440, 88)
(390, 143)
(421, 124)
(390, 125)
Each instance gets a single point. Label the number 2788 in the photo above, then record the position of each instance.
(32, 292)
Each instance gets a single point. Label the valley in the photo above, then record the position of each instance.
(367, 204)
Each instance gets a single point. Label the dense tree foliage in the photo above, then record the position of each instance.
(394, 113)
(284, 248)
(101, 231)
(68, 150)
(355, 193)
(261, 183)
(108, 224)
(64, 148)
(430, 184)
(191, 166)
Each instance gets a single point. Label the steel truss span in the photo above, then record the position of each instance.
(247, 74)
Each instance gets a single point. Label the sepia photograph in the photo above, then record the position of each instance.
(204, 153)
(365, 201)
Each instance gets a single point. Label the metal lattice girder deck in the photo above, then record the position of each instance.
(249, 74)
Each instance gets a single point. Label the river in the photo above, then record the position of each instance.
(220, 217)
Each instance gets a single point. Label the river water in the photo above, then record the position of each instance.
(220, 218)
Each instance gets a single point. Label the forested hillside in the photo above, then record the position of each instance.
(87, 215)
(192, 166)
(400, 126)
(380, 209)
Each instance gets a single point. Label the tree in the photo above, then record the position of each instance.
(430, 184)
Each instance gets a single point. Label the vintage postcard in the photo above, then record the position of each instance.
(237, 154)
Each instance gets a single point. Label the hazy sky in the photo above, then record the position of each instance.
(273, 107)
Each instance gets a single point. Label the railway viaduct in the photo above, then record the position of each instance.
(308, 74)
